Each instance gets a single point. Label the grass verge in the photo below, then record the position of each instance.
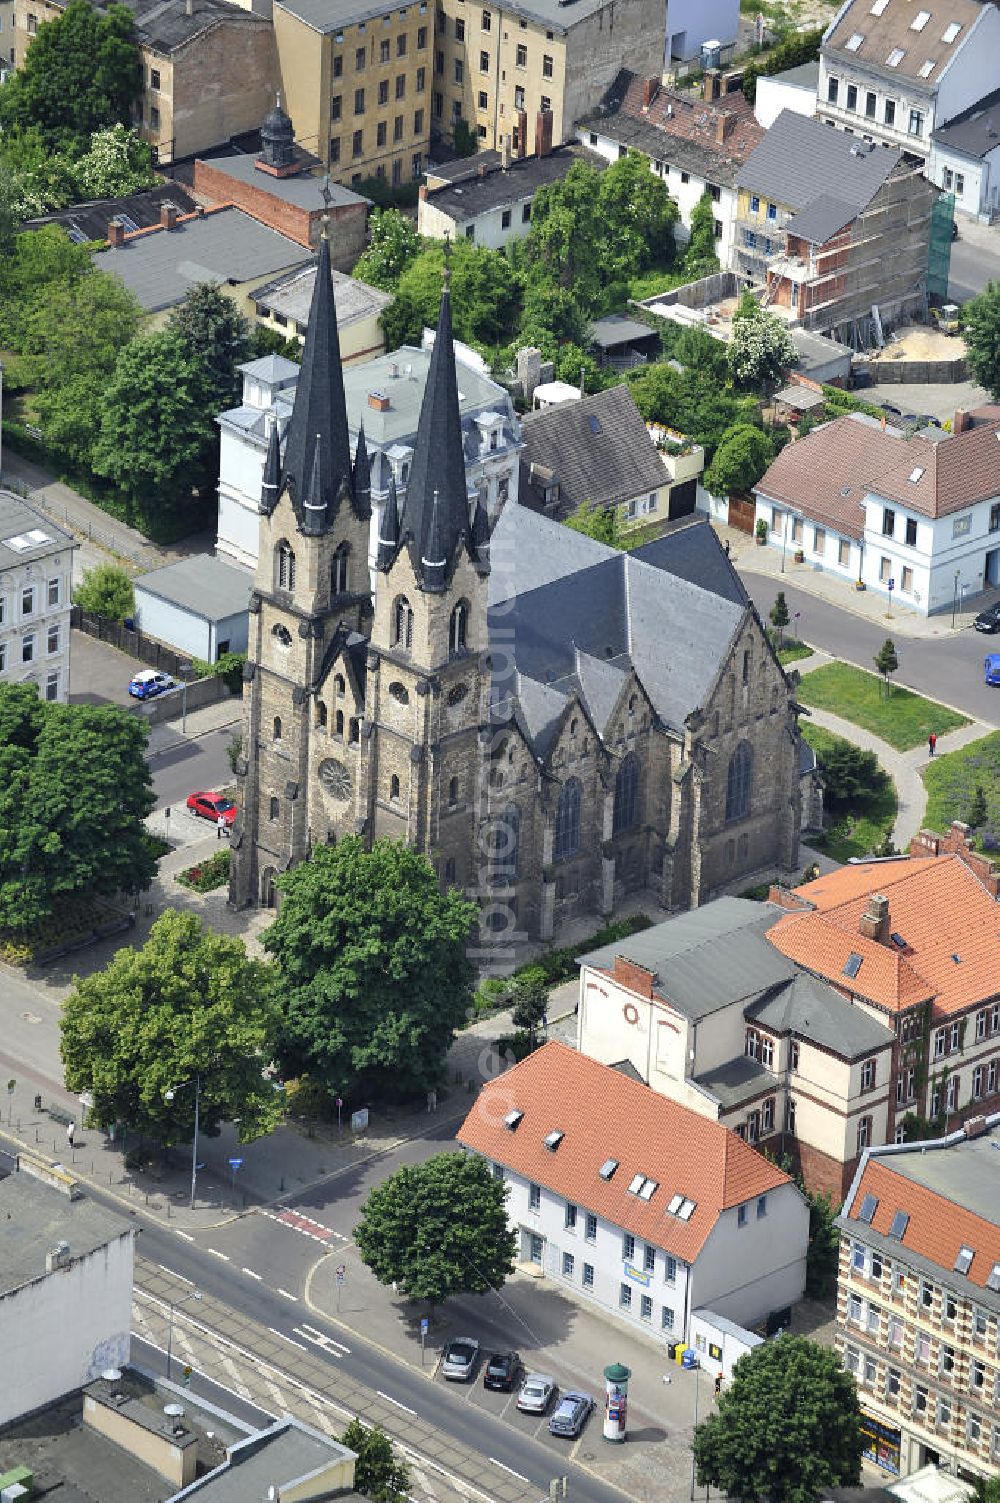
(951, 781)
(862, 827)
(901, 718)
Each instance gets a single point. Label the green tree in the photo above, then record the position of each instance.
(530, 999)
(779, 616)
(743, 454)
(978, 812)
(887, 662)
(798, 47)
(637, 218)
(760, 348)
(851, 776)
(374, 975)
(598, 522)
(74, 791)
(81, 74)
(981, 330)
(378, 1474)
(823, 1252)
(118, 162)
(988, 1489)
(265, 341)
(700, 258)
(189, 1003)
(216, 336)
(573, 364)
(787, 1428)
(556, 310)
(106, 590)
(485, 295)
(409, 1233)
(393, 244)
(463, 142)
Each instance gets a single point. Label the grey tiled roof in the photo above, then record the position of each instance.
(166, 25)
(976, 131)
(18, 518)
(206, 586)
(810, 1010)
(691, 551)
(469, 196)
(800, 160)
(291, 295)
(821, 218)
(92, 219)
(599, 449)
(331, 15)
(224, 245)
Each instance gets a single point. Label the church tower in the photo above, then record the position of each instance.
(311, 588)
(428, 664)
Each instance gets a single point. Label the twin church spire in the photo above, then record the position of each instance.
(317, 472)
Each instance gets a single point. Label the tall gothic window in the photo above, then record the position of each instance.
(506, 839)
(284, 566)
(567, 834)
(338, 570)
(739, 782)
(402, 623)
(459, 627)
(626, 808)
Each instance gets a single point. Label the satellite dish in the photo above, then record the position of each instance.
(173, 1411)
(111, 1375)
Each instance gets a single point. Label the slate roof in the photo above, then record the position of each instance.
(222, 245)
(291, 295)
(17, 519)
(90, 221)
(468, 195)
(545, 605)
(821, 219)
(937, 906)
(35, 1217)
(300, 189)
(976, 132)
(598, 448)
(207, 587)
(827, 474)
(165, 26)
(738, 1080)
(801, 160)
(812, 1010)
(880, 34)
(691, 551)
(330, 15)
(648, 1134)
(678, 128)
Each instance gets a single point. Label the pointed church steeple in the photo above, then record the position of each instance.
(362, 476)
(437, 493)
(320, 407)
(435, 560)
(388, 537)
(270, 488)
(314, 503)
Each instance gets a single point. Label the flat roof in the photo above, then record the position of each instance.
(36, 1217)
(203, 585)
(300, 189)
(966, 1172)
(276, 1458)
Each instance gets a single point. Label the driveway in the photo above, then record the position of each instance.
(99, 673)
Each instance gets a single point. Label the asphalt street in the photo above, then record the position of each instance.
(949, 669)
(182, 765)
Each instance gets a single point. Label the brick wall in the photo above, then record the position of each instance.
(348, 221)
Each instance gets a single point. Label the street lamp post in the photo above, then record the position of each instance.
(172, 1306)
(169, 1095)
(697, 1376)
(954, 599)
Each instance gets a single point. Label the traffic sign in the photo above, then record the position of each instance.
(892, 585)
(236, 1164)
(342, 1274)
(425, 1326)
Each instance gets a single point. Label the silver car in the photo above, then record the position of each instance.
(571, 1413)
(536, 1391)
(460, 1359)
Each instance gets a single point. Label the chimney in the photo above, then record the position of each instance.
(962, 422)
(635, 977)
(422, 193)
(57, 1257)
(199, 210)
(116, 232)
(378, 401)
(168, 216)
(505, 151)
(724, 123)
(650, 89)
(522, 133)
(975, 1127)
(543, 133)
(189, 7)
(874, 922)
(482, 170)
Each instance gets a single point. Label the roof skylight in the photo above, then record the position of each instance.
(916, 474)
(926, 69)
(895, 57)
(676, 1201)
(607, 1169)
(853, 964)
(879, 7)
(553, 1139)
(868, 1208)
(964, 1260)
(854, 41)
(951, 30)
(512, 1121)
(898, 1227)
(993, 1282)
(686, 1211)
(920, 20)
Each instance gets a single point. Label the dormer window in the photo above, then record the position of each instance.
(490, 425)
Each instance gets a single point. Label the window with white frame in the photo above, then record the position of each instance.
(666, 1318)
(568, 1264)
(534, 1197)
(670, 1271)
(53, 639)
(590, 1228)
(28, 600)
(53, 592)
(625, 1295)
(588, 1276)
(628, 1247)
(645, 1307)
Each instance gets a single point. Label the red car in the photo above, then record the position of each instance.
(211, 806)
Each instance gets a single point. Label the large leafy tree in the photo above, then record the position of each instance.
(74, 791)
(981, 327)
(743, 454)
(378, 1474)
(190, 1005)
(217, 338)
(437, 1229)
(393, 244)
(760, 347)
(485, 295)
(787, 1428)
(374, 975)
(106, 590)
(81, 73)
(693, 400)
(701, 258)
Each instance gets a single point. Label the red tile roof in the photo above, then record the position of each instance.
(826, 473)
(938, 1226)
(936, 904)
(688, 118)
(954, 472)
(606, 1115)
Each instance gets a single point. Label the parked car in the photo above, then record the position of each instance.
(460, 1359)
(212, 806)
(571, 1413)
(149, 683)
(992, 667)
(501, 1371)
(989, 619)
(536, 1391)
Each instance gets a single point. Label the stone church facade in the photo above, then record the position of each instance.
(552, 722)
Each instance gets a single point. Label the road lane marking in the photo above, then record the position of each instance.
(399, 1405)
(217, 1254)
(251, 1275)
(274, 1330)
(504, 1468)
(164, 1269)
(287, 1295)
(321, 1339)
(187, 1238)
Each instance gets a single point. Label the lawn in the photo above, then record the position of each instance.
(904, 719)
(863, 826)
(790, 650)
(951, 781)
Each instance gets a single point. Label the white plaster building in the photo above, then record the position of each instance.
(65, 1288)
(634, 1203)
(868, 503)
(36, 574)
(793, 90)
(383, 396)
(965, 159)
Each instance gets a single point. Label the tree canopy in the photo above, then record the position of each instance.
(485, 297)
(189, 1004)
(409, 1233)
(787, 1427)
(106, 590)
(760, 348)
(700, 258)
(743, 455)
(374, 975)
(378, 1474)
(74, 791)
(981, 329)
(393, 244)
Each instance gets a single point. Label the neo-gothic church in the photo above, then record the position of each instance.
(552, 722)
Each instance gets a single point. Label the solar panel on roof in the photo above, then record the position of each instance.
(900, 1222)
(964, 1260)
(853, 964)
(868, 1208)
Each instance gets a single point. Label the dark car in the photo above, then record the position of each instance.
(989, 619)
(571, 1414)
(501, 1371)
(212, 806)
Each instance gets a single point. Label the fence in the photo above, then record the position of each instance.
(77, 524)
(134, 643)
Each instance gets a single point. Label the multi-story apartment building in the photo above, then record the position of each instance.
(357, 82)
(918, 1308)
(36, 572)
(892, 71)
(208, 69)
(636, 1204)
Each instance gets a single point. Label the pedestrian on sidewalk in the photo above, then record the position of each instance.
(931, 743)
(220, 826)
(71, 1133)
